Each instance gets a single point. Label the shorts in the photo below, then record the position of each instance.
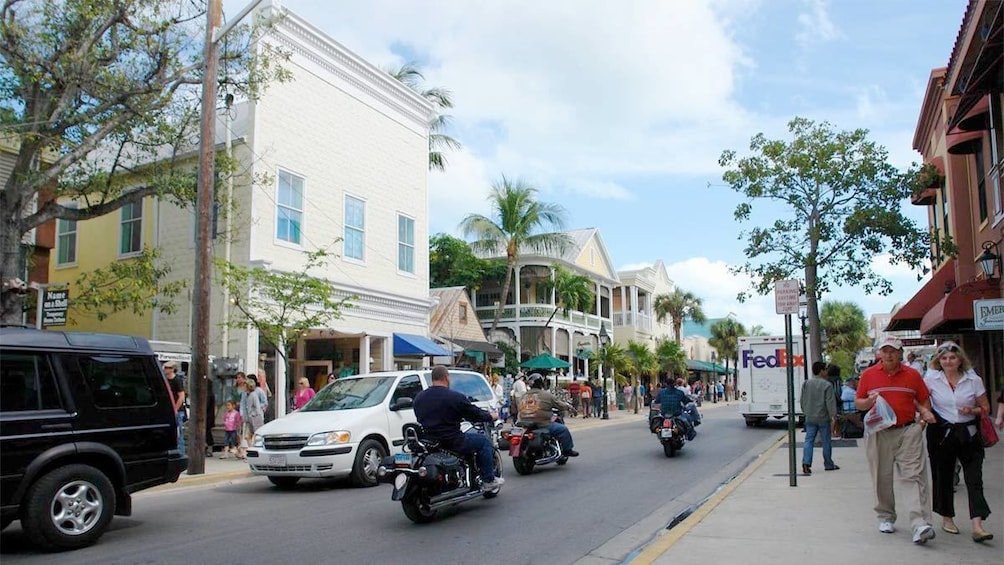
(230, 438)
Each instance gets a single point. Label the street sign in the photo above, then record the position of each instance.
(54, 305)
(786, 294)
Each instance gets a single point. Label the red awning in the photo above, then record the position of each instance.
(954, 312)
(908, 317)
(976, 118)
(963, 143)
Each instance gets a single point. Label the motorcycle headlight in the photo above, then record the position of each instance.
(258, 441)
(329, 438)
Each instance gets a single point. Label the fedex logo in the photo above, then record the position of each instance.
(778, 359)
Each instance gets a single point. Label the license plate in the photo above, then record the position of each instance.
(516, 432)
(277, 460)
(666, 433)
(402, 460)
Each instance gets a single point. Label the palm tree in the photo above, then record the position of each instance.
(725, 339)
(758, 330)
(571, 292)
(519, 222)
(645, 365)
(678, 305)
(846, 332)
(410, 75)
(671, 358)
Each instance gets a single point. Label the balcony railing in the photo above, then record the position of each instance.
(635, 320)
(535, 313)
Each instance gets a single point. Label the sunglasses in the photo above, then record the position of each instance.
(949, 348)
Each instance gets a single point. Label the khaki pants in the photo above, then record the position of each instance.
(903, 447)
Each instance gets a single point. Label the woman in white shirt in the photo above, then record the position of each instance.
(958, 399)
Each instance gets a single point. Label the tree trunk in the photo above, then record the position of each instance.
(502, 299)
(11, 302)
(815, 352)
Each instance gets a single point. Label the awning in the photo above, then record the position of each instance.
(477, 346)
(909, 315)
(410, 344)
(705, 367)
(954, 312)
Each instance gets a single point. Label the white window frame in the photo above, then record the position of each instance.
(137, 222)
(59, 240)
(404, 245)
(354, 229)
(289, 209)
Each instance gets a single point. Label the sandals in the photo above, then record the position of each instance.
(980, 537)
(950, 528)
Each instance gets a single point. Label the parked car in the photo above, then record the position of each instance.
(86, 420)
(350, 426)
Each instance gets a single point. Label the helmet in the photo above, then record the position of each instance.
(535, 380)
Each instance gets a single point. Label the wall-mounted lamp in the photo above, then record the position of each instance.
(988, 260)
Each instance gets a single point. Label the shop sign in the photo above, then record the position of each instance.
(988, 314)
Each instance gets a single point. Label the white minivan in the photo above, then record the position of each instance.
(349, 426)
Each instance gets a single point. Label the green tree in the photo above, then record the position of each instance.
(679, 305)
(99, 99)
(452, 263)
(519, 222)
(841, 204)
(571, 292)
(646, 365)
(671, 358)
(846, 332)
(757, 330)
(441, 98)
(127, 285)
(282, 306)
(725, 336)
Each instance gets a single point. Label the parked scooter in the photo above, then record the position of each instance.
(427, 478)
(531, 444)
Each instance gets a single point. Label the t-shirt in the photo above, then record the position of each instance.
(177, 389)
(899, 389)
(574, 388)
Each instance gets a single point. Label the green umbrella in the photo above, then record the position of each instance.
(545, 361)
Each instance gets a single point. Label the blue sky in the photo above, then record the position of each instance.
(618, 111)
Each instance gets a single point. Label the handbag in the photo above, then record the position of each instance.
(987, 432)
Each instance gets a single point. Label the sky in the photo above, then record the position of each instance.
(619, 111)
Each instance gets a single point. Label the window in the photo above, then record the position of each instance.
(28, 383)
(462, 314)
(355, 227)
(471, 385)
(130, 240)
(405, 244)
(289, 208)
(115, 381)
(66, 242)
(409, 387)
(981, 182)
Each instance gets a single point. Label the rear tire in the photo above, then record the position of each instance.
(283, 483)
(368, 458)
(523, 465)
(668, 449)
(497, 463)
(68, 508)
(413, 510)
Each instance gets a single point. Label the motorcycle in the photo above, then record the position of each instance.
(427, 478)
(531, 444)
(671, 431)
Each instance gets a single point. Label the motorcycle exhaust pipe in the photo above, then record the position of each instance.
(447, 495)
(451, 501)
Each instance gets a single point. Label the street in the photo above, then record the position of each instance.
(604, 504)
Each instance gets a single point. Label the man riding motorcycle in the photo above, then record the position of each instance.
(439, 410)
(673, 401)
(536, 405)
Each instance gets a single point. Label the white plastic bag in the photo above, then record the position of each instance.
(880, 417)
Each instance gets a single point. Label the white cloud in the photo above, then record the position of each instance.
(815, 25)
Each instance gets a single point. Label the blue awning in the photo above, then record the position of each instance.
(410, 344)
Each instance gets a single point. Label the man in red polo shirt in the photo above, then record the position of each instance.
(903, 444)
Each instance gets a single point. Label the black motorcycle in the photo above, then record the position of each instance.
(671, 431)
(427, 478)
(531, 444)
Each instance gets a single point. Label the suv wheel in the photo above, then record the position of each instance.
(68, 508)
(368, 458)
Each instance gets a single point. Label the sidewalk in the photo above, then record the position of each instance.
(826, 519)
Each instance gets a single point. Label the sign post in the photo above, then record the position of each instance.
(786, 298)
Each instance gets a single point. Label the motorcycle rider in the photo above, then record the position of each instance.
(695, 416)
(673, 402)
(536, 405)
(439, 410)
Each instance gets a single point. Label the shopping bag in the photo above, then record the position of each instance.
(987, 432)
(880, 417)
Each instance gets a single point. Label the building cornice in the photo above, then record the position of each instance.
(930, 110)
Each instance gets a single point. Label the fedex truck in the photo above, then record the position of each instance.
(763, 376)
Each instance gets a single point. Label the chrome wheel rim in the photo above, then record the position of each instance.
(76, 508)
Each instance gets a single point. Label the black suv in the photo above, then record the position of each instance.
(86, 420)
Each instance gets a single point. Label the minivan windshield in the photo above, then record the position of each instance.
(471, 385)
(350, 393)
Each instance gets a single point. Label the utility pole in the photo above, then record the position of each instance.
(199, 379)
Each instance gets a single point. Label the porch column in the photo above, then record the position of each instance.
(387, 347)
(364, 354)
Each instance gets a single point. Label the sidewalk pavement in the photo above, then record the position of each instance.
(827, 518)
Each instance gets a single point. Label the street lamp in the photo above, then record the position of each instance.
(988, 260)
(714, 373)
(604, 340)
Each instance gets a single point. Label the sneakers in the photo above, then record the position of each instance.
(494, 484)
(923, 533)
(886, 527)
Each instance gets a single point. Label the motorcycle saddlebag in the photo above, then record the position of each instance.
(442, 465)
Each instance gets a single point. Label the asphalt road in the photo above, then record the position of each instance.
(602, 505)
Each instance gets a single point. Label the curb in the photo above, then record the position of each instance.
(663, 543)
(203, 479)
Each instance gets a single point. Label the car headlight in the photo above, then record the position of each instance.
(329, 438)
(258, 441)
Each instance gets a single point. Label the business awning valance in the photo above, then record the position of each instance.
(954, 312)
(909, 315)
(411, 344)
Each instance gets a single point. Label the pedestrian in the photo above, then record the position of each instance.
(254, 409)
(820, 408)
(516, 394)
(643, 394)
(332, 378)
(915, 363)
(586, 396)
(574, 390)
(627, 395)
(1000, 410)
(598, 397)
(178, 394)
(902, 445)
(303, 393)
(833, 376)
(958, 400)
(231, 428)
(719, 392)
